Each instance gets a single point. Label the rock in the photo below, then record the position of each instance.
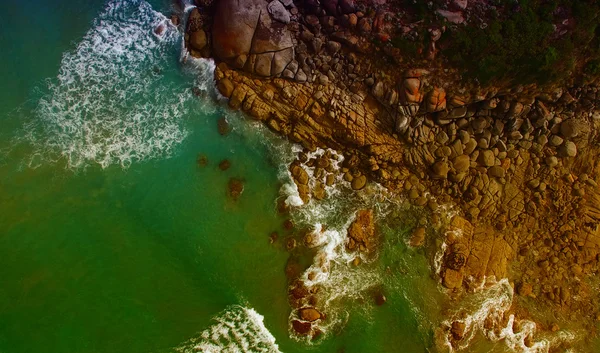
(361, 233)
(418, 237)
(235, 188)
(202, 160)
(278, 12)
(359, 182)
(175, 20)
(347, 6)
(319, 192)
(225, 86)
(380, 299)
(453, 17)
(470, 146)
(436, 100)
(300, 327)
(198, 40)
(496, 172)
(223, 126)
(555, 140)
(440, 170)
(458, 330)
(245, 36)
(455, 260)
(524, 289)
(461, 163)
(224, 165)
(572, 128)
(309, 314)
(551, 161)
(333, 47)
(299, 174)
(487, 158)
(569, 149)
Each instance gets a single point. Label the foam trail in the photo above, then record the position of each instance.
(111, 102)
(492, 305)
(237, 329)
(339, 282)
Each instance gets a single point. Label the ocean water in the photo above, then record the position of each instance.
(115, 238)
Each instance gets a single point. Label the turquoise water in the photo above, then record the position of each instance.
(114, 239)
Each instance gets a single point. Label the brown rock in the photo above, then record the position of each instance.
(244, 27)
(223, 126)
(458, 330)
(418, 237)
(299, 174)
(487, 158)
(440, 170)
(380, 299)
(300, 327)
(456, 260)
(202, 160)
(359, 182)
(497, 172)
(524, 289)
(361, 233)
(224, 165)
(462, 163)
(235, 188)
(309, 314)
(225, 86)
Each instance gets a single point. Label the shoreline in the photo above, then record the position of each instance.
(519, 164)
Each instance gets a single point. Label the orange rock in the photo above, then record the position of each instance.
(309, 314)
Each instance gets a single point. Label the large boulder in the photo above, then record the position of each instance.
(196, 37)
(309, 314)
(245, 36)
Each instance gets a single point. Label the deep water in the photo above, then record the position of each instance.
(114, 239)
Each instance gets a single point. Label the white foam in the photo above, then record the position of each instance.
(491, 309)
(339, 282)
(237, 329)
(111, 102)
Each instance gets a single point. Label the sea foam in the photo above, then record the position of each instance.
(113, 101)
(340, 282)
(237, 329)
(489, 315)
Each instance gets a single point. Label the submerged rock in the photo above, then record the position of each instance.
(418, 237)
(224, 165)
(235, 188)
(223, 126)
(202, 160)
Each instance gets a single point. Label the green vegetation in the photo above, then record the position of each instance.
(523, 43)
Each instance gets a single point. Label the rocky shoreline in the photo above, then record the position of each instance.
(520, 163)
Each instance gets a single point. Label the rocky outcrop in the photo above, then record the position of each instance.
(474, 254)
(361, 233)
(252, 35)
(520, 163)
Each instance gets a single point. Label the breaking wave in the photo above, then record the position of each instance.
(237, 329)
(114, 100)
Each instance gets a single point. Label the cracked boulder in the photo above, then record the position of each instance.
(252, 35)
